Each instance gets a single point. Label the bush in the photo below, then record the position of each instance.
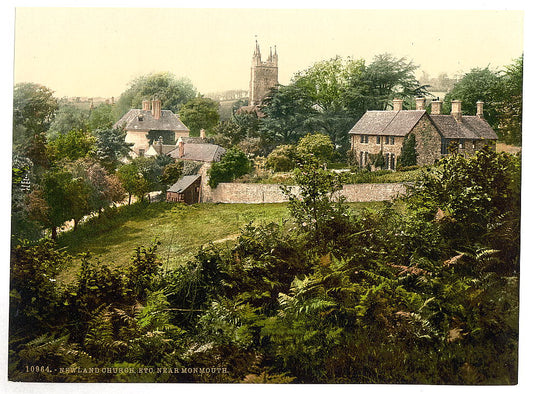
(233, 164)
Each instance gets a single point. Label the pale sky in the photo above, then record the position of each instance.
(98, 51)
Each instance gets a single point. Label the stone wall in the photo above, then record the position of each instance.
(428, 142)
(253, 193)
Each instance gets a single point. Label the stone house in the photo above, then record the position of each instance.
(147, 125)
(386, 131)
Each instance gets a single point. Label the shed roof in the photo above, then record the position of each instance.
(167, 121)
(183, 183)
(199, 152)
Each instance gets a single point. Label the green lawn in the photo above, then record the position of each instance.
(181, 229)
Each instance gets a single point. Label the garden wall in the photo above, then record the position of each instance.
(254, 193)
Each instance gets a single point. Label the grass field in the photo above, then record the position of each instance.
(181, 229)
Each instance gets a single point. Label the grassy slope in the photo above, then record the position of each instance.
(181, 229)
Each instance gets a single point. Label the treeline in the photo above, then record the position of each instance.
(423, 291)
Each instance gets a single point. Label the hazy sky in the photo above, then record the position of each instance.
(98, 51)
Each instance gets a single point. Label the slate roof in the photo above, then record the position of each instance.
(400, 123)
(199, 152)
(166, 150)
(470, 127)
(167, 121)
(183, 183)
(395, 123)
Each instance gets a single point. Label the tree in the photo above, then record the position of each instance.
(508, 106)
(164, 86)
(408, 155)
(317, 146)
(68, 117)
(34, 107)
(111, 147)
(200, 113)
(383, 80)
(478, 84)
(101, 117)
(171, 173)
(282, 158)
(73, 145)
(233, 164)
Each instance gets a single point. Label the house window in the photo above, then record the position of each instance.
(378, 139)
(461, 143)
(391, 140)
(386, 140)
(392, 161)
(364, 139)
(387, 160)
(141, 152)
(444, 144)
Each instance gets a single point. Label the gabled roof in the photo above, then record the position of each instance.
(199, 152)
(395, 123)
(400, 123)
(470, 127)
(166, 150)
(183, 183)
(167, 121)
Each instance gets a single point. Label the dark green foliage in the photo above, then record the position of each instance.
(110, 147)
(233, 164)
(423, 291)
(408, 156)
(200, 113)
(283, 158)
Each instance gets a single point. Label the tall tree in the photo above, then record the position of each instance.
(73, 145)
(200, 113)
(509, 103)
(68, 117)
(101, 117)
(478, 84)
(111, 147)
(172, 92)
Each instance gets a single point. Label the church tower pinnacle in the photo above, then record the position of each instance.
(264, 75)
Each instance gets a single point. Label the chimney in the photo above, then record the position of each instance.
(397, 104)
(202, 134)
(159, 145)
(436, 107)
(146, 105)
(420, 103)
(181, 148)
(156, 109)
(456, 110)
(479, 109)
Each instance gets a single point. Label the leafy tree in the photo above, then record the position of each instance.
(172, 92)
(101, 117)
(34, 107)
(509, 104)
(408, 155)
(477, 84)
(67, 118)
(383, 80)
(282, 158)
(172, 173)
(228, 133)
(111, 147)
(200, 113)
(287, 112)
(317, 146)
(73, 145)
(233, 164)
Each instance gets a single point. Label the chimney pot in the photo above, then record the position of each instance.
(202, 134)
(436, 107)
(146, 105)
(397, 104)
(480, 109)
(420, 103)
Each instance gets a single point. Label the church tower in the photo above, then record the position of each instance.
(264, 75)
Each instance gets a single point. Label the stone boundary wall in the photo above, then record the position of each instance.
(254, 193)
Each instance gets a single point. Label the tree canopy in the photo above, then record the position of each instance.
(200, 113)
(173, 92)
